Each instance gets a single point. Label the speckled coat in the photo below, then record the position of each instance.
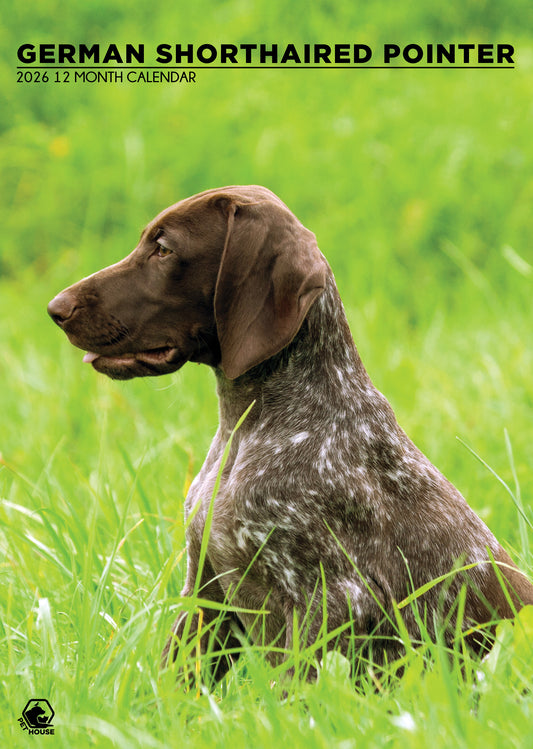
(321, 484)
(326, 513)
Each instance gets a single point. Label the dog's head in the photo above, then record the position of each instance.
(225, 277)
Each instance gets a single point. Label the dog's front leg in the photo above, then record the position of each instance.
(204, 641)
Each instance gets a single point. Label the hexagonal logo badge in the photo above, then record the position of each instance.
(37, 716)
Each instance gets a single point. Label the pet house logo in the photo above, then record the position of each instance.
(37, 717)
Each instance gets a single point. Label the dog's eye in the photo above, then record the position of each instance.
(163, 251)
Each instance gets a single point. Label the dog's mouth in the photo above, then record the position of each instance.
(156, 361)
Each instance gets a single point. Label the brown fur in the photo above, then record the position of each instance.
(321, 484)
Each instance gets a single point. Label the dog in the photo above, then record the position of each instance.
(326, 516)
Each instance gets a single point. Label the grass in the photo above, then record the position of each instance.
(419, 189)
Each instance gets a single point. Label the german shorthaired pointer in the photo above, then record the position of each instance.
(325, 507)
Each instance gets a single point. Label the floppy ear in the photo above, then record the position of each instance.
(270, 274)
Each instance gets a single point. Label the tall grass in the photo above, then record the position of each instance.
(88, 605)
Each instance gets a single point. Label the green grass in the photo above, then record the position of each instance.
(418, 186)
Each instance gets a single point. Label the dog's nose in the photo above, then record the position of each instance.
(62, 307)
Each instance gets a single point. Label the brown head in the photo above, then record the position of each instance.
(225, 277)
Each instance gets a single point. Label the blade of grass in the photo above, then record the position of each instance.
(507, 488)
(522, 517)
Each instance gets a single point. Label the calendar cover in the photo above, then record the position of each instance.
(398, 139)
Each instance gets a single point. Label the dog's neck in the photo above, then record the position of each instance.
(317, 374)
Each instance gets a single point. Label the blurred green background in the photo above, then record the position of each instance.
(417, 183)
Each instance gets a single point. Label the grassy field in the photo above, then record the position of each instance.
(419, 186)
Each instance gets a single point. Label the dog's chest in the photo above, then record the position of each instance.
(271, 512)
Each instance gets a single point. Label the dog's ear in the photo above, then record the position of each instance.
(270, 274)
